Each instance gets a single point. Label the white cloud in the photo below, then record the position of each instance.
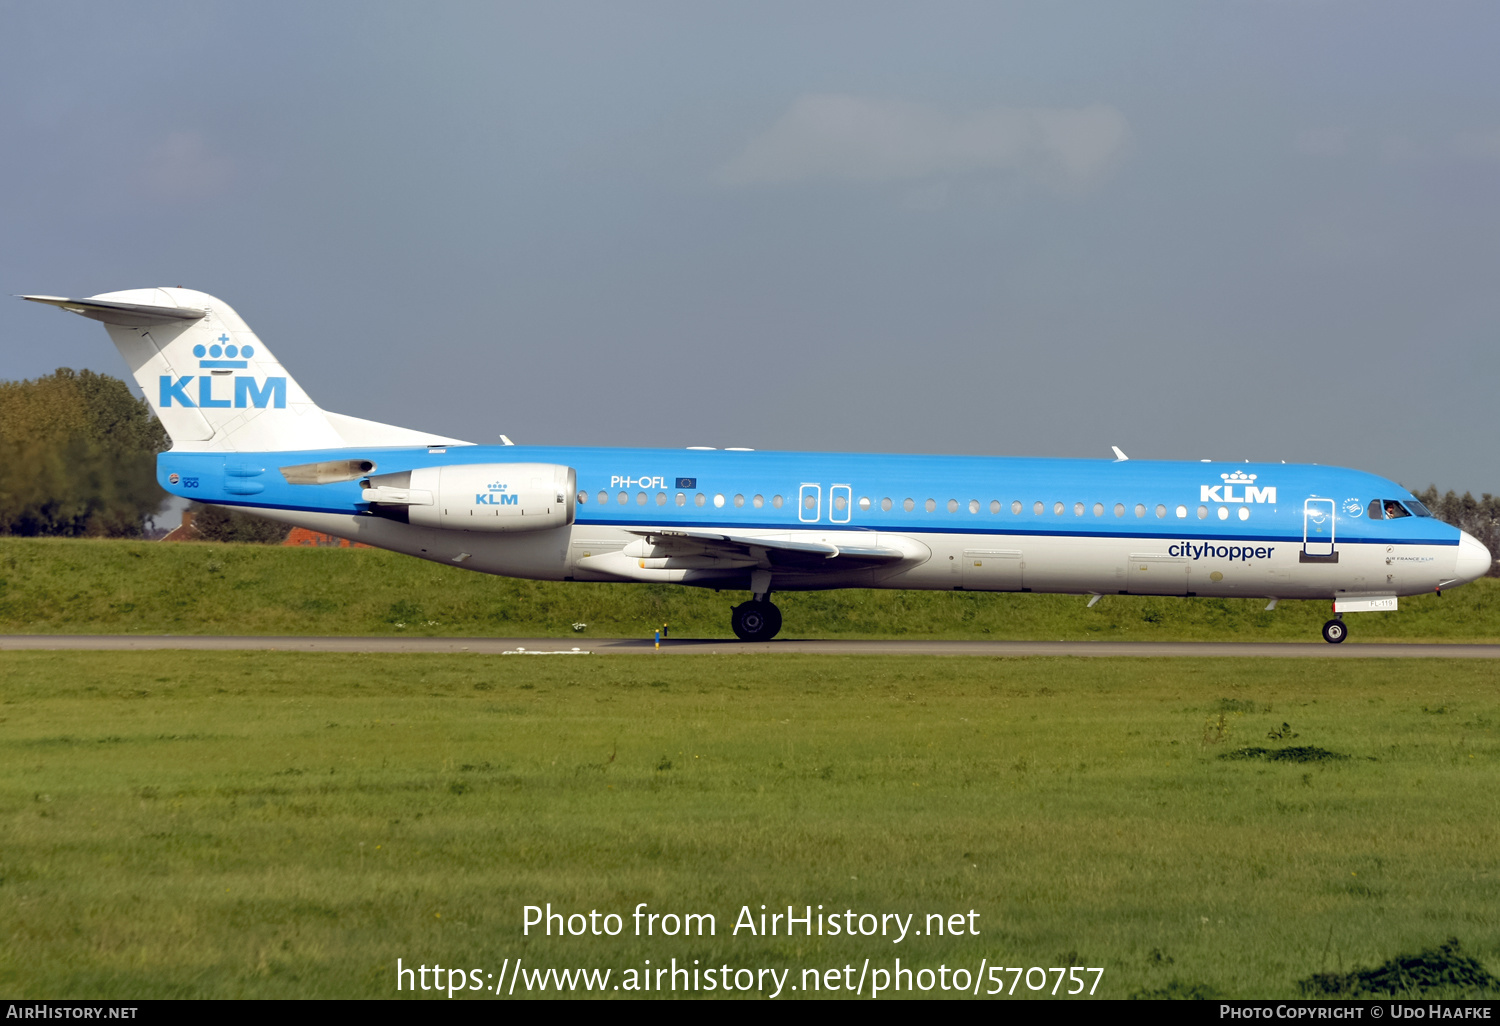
(183, 167)
(857, 139)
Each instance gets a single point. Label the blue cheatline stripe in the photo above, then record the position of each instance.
(1160, 536)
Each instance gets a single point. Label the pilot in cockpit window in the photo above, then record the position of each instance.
(1394, 510)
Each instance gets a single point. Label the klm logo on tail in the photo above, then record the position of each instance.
(223, 355)
(247, 393)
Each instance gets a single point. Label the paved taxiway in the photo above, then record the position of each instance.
(685, 646)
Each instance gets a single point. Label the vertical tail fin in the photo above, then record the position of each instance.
(213, 383)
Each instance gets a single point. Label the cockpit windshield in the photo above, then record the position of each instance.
(1417, 508)
(1391, 509)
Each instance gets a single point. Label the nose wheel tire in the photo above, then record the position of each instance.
(755, 621)
(1334, 631)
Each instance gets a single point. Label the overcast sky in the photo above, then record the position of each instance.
(1232, 230)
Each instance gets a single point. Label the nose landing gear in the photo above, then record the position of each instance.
(755, 621)
(1334, 631)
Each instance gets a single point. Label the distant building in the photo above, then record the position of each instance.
(184, 531)
(302, 536)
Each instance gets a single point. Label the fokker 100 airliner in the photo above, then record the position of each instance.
(244, 434)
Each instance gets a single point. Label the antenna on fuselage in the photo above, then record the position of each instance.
(1120, 457)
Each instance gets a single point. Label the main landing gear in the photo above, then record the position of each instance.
(1334, 631)
(755, 620)
(758, 619)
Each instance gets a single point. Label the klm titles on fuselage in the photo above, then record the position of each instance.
(1225, 492)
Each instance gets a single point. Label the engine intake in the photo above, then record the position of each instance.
(477, 496)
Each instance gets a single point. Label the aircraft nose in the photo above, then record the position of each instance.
(1474, 559)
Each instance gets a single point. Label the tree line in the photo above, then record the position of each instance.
(1480, 517)
(78, 459)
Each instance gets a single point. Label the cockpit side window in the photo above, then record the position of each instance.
(1394, 510)
(1376, 510)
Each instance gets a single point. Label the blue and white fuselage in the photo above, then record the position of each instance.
(976, 523)
(245, 435)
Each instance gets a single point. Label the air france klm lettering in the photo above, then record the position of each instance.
(764, 522)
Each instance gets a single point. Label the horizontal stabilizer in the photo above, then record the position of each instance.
(127, 315)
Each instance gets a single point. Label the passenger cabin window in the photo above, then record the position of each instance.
(930, 505)
(681, 499)
(1057, 509)
(758, 501)
(886, 504)
(952, 505)
(908, 504)
(1037, 509)
(776, 501)
(1078, 509)
(1015, 507)
(994, 506)
(1098, 509)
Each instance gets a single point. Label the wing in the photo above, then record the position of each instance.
(683, 546)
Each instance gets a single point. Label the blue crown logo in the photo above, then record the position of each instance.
(238, 356)
(1238, 477)
(497, 486)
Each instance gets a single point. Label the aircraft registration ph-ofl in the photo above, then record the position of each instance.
(244, 434)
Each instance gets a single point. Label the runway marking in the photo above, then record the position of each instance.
(687, 646)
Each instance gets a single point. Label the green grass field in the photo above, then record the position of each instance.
(276, 825)
(66, 586)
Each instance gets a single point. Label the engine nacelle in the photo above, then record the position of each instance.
(478, 496)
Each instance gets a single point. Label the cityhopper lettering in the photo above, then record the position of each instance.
(248, 393)
(1229, 552)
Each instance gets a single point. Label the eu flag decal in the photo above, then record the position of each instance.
(687, 482)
